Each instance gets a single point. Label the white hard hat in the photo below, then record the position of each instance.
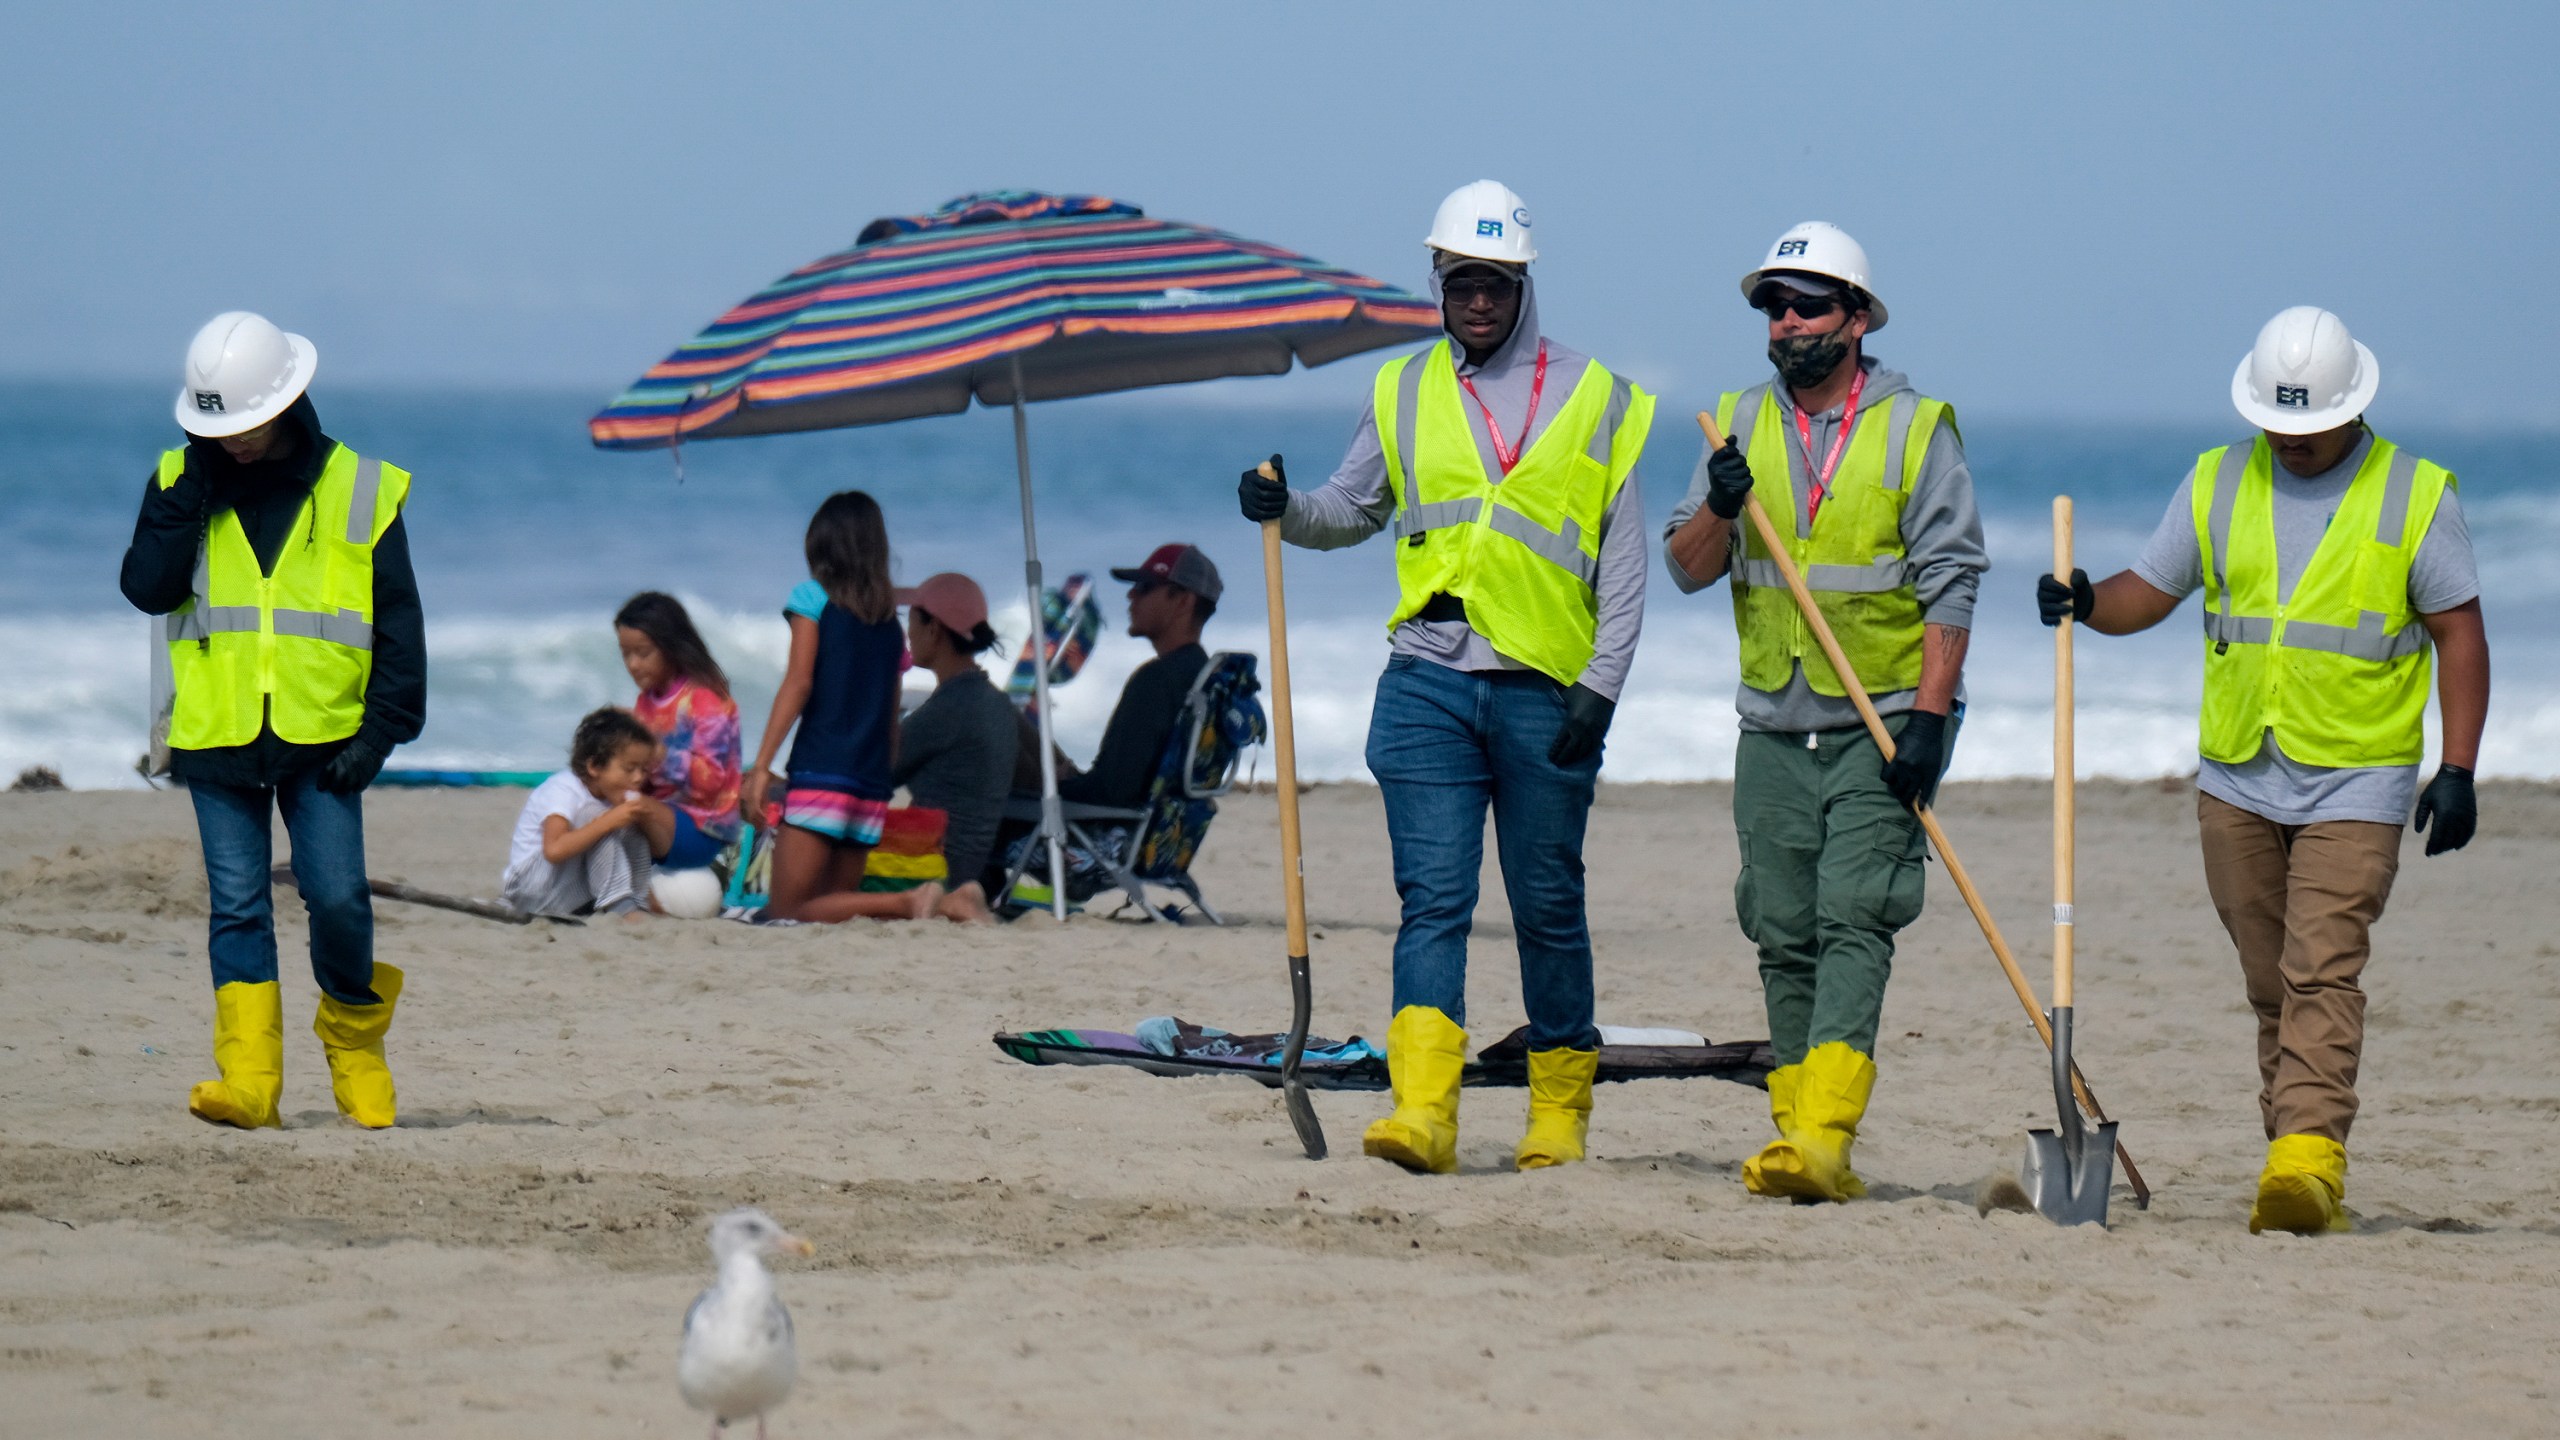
(1483, 221)
(241, 373)
(1818, 247)
(2306, 374)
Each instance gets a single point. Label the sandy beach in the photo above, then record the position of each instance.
(1009, 1250)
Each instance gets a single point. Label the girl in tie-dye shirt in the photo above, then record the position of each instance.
(684, 700)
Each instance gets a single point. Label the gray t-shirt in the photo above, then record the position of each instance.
(956, 755)
(2442, 576)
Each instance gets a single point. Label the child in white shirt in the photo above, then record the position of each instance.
(582, 844)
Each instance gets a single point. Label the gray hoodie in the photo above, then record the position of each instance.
(1355, 504)
(1941, 535)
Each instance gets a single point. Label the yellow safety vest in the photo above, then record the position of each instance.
(1851, 556)
(2339, 669)
(293, 649)
(1521, 551)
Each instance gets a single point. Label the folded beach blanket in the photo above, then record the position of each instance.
(1167, 1046)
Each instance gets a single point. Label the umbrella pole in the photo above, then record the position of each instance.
(1053, 826)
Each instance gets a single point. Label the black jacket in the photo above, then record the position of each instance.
(1133, 743)
(159, 576)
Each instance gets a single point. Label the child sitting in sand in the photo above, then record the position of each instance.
(684, 700)
(841, 689)
(583, 843)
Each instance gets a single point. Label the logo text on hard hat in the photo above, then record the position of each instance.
(2297, 397)
(209, 401)
(1489, 227)
(1790, 247)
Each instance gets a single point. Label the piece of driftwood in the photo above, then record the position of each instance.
(485, 909)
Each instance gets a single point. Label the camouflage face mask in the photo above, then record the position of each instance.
(1808, 360)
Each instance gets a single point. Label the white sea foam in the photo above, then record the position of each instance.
(504, 694)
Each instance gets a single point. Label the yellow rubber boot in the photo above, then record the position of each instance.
(352, 1036)
(1559, 1107)
(1812, 1162)
(2304, 1187)
(1426, 1052)
(1783, 1084)
(248, 1048)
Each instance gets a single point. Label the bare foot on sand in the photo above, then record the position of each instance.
(922, 900)
(967, 906)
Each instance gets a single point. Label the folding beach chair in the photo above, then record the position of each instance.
(1154, 844)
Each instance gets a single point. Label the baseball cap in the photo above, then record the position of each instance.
(953, 599)
(1178, 564)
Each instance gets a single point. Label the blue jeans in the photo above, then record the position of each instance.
(327, 831)
(1443, 744)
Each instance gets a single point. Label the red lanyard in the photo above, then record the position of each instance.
(1831, 461)
(1504, 454)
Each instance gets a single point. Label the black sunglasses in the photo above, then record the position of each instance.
(1139, 589)
(1777, 300)
(1490, 284)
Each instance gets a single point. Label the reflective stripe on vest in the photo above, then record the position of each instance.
(1521, 551)
(1851, 555)
(290, 649)
(2339, 669)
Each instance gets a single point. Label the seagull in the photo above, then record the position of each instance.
(737, 1358)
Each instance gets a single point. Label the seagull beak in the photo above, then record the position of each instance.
(797, 1246)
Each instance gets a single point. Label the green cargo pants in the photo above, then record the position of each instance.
(1830, 870)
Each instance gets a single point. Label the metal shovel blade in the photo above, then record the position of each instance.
(1293, 1090)
(2067, 1191)
(2069, 1170)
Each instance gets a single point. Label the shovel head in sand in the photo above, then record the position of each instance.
(2068, 1171)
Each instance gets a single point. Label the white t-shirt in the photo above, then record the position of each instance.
(564, 795)
(613, 875)
(2442, 575)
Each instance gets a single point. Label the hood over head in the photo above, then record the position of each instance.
(1524, 335)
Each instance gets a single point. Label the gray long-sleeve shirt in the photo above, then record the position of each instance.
(1356, 504)
(1941, 538)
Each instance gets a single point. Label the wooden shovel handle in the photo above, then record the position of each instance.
(2065, 769)
(1284, 743)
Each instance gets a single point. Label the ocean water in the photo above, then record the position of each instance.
(526, 539)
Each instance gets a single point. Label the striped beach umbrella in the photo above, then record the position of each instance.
(1078, 294)
(1007, 296)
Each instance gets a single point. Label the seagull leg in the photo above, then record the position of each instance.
(759, 1425)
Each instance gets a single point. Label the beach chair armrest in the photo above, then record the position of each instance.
(1027, 809)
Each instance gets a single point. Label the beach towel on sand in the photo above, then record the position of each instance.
(1355, 1064)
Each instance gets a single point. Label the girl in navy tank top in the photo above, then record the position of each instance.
(841, 689)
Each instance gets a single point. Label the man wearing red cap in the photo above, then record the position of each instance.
(1172, 594)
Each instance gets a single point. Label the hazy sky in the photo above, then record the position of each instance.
(2074, 210)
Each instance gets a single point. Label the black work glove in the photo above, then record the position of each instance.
(1586, 723)
(2055, 599)
(1919, 753)
(1262, 499)
(2448, 802)
(191, 494)
(1728, 480)
(354, 766)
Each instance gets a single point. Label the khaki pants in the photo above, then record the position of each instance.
(2299, 902)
